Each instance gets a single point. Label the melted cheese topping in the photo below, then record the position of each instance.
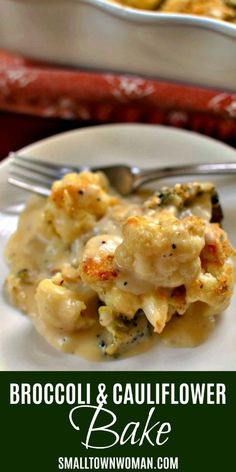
(99, 275)
(218, 9)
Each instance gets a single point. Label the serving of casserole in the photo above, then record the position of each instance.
(102, 275)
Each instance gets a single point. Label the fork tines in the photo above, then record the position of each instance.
(34, 175)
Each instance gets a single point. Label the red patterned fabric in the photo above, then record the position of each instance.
(69, 97)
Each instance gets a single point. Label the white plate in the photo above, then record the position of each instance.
(21, 348)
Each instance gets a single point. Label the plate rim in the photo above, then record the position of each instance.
(87, 129)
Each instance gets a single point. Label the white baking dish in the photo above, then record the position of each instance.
(98, 34)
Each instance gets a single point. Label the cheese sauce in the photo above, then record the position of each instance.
(190, 329)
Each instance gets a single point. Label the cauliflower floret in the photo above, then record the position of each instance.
(215, 291)
(97, 268)
(122, 302)
(99, 272)
(77, 202)
(214, 285)
(61, 308)
(164, 251)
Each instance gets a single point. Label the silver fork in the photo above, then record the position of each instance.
(37, 176)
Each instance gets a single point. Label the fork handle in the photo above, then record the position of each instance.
(150, 175)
